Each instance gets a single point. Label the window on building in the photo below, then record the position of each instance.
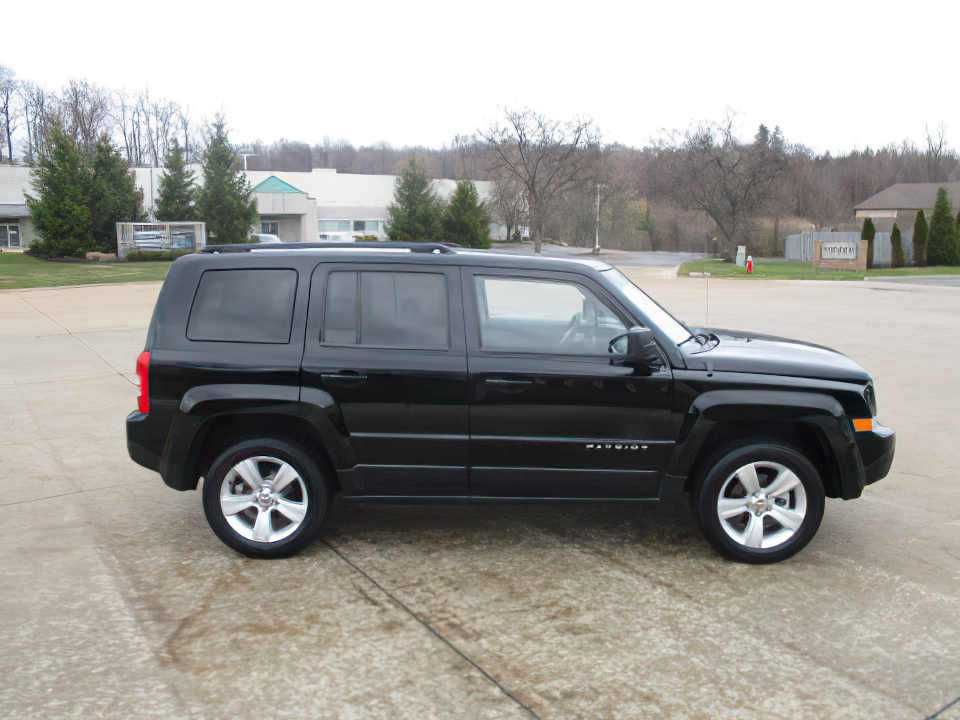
(369, 227)
(270, 227)
(387, 309)
(9, 235)
(252, 306)
(543, 316)
(332, 226)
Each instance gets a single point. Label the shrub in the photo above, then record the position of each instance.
(415, 214)
(466, 220)
(869, 233)
(942, 243)
(920, 240)
(896, 248)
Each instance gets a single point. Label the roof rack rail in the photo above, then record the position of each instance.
(414, 247)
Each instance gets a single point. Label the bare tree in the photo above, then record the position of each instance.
(86, 110)
(183, 119)
(127, 116)
(729, 180)
(39, 107)
(548, 158)
(159, 118)
(509, 203)
(9, 112)
(936, 149)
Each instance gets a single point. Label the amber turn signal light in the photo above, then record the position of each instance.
(863, 424)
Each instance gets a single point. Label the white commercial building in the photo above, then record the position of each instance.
(16, 229)
(295, 206)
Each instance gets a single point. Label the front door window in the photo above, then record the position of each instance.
(543, 316)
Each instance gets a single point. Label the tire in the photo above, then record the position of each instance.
(788, 518)
(293, 514)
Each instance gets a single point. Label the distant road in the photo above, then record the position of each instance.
(943, 280)
(628, 258)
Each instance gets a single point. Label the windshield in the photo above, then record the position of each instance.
(648, 308)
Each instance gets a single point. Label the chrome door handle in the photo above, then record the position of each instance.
(344, 376)
(507, 381)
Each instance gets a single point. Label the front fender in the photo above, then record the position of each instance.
(817, 411)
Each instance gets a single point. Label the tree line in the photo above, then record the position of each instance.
(705, 187)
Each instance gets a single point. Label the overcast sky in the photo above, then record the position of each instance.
(834, 75)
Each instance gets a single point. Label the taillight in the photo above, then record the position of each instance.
(143, 374)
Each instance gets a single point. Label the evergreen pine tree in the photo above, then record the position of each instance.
(225, 202)
(178, 190)
(114, 196)
(920, 240)
(415, 214)
(60, 210)
(466, 220)
(868, 233)
(897, 257)
(942, 243)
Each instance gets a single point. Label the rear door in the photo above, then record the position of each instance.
(550, 416)
(386, 342)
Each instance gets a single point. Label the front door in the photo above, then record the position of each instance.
(550, 416)
(387, 343)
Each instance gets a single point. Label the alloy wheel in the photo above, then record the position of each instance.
(263, 499)
(762, 505)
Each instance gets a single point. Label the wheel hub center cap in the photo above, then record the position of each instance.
(758, 503)
(265, 496)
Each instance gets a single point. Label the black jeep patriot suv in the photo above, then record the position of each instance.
(423, 372)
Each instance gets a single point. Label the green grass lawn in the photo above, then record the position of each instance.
(23, 271)
(779, 269)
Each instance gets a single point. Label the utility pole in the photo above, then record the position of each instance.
(596, 237)
(246, 155)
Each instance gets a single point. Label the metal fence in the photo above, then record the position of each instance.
(160, 237)
(800, 247)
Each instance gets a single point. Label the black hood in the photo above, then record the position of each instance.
(753, 353)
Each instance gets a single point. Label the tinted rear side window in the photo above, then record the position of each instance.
(253, 306)
(387, 309)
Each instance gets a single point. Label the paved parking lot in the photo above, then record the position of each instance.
(118, 601)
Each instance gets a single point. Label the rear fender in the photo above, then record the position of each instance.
(202, 407)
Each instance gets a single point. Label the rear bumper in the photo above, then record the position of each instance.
(139, 444)
(877, 449)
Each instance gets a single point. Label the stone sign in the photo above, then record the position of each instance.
(840, 255)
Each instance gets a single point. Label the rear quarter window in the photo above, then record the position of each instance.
(254, 306)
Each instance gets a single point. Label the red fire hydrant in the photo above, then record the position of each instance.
(749, 263)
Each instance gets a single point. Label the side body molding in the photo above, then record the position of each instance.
(225, 393)
(818, 411)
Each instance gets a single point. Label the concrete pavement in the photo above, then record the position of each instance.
(118, 601)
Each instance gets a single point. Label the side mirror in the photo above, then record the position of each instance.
(635, 348)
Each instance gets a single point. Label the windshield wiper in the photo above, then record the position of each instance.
(704, 340)
(700, 337)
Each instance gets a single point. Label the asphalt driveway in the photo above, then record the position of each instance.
(118, 601)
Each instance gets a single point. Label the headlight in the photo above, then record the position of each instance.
(870, 395)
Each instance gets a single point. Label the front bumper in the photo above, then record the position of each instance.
(877, 449)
